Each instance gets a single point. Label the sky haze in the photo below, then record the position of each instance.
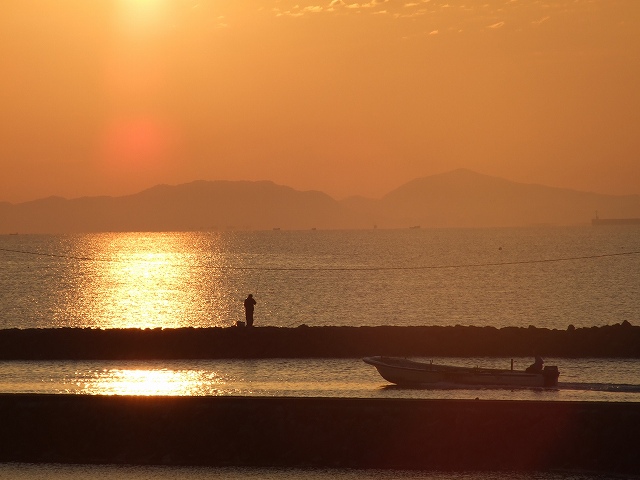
(112, 97)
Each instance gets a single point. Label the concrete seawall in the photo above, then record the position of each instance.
(321, 432)
(622, 340)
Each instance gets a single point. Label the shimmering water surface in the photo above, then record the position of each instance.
(547, 277)
(615, 380)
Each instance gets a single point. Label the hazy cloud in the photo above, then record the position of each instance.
(313, 9)
(222, 23)
(542, 20)
(332, 6)
(296, 11)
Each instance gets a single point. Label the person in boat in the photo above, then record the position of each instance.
(536, 366)
(249, 303)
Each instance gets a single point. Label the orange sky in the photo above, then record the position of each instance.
(110, 97)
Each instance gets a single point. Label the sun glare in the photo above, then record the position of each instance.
(151, 382)
(141, 17)
(150, 280)
(147, 282)
(138, 135)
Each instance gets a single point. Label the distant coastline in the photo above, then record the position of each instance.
(457, 199)
(615, 221)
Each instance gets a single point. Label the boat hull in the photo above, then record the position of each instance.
(406, 372)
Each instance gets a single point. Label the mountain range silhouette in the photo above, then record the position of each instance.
(457, 199)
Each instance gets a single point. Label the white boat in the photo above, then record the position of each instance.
(405, 372)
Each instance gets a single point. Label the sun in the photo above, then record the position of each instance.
(137, 143)
(136, 134)
(141, 17)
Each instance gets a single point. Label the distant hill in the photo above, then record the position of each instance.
(463, 198)
(198, 205)
(460, 198)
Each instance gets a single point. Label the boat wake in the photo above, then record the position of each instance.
(585, 387)
(458, 386)
(600, 387)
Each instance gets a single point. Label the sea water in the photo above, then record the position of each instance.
(546, 277)
(612, 380)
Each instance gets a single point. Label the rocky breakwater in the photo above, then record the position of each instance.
(621, 340)
(321, 432)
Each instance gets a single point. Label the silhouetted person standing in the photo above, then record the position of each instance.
(249, 303)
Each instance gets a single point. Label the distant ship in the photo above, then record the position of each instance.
(614, 221)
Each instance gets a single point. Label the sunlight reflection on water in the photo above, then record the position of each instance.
(486, 277)
(146, 281)
(614, 380)
(117, 381)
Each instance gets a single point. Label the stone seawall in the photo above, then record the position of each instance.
(622, 340)
(321, 432)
